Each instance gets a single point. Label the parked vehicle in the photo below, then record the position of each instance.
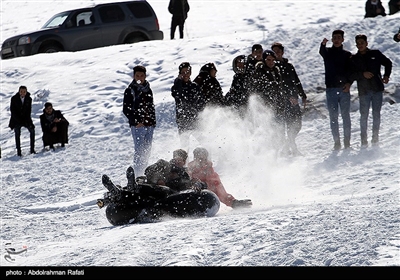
(87, 28)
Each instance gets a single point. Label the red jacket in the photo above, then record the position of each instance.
(205, 173)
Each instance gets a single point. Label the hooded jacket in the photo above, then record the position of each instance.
(210, 87)
(138, 104)
(189, 102)
(291, 84)
(205, 172)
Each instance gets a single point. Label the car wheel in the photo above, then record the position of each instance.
(135, 39)
(50, 48)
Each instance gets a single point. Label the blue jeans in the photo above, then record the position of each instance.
(337, 99)
(142, 141)
(374, 98)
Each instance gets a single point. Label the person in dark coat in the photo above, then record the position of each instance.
(267, 84)
(54, 127)
(21, 108)
(267, 81)
(337, 81)
(189, 102)
(139, 108)
(238, 94)
(173, 174)
(179, 10)
(374, 8)
(366, 71)
(291, 90)
(209, 85)
(254, 57)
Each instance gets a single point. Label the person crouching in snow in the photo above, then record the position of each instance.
(202, 169)
(54, 127)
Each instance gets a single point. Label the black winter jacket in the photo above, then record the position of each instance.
(179, 8)
(337, 66)
(371, 61)
(267, 83)
(291, 84)
(371, 10)
(21, 113)
(238, 94)
(48, 124)
(138, 104)
(189, 102)
(211, 89)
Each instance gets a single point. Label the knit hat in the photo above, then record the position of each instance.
(180, 153)
(235, 60)
(267, 53)
(207, 67)
(200, 152)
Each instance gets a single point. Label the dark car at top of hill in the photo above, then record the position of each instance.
(87, 28)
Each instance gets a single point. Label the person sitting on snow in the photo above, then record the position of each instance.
(173, 174)
(202, 169)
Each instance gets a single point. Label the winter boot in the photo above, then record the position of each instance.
(132, 185)
(113, 189)
(346, 143)
(375, 139)
(337, 146)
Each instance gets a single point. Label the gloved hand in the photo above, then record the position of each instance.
(244, 203)
(198, 186)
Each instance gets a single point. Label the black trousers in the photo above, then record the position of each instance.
(60, 136)
(177, 21)
(17, 132)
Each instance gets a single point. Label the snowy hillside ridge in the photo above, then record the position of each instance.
(325, 209)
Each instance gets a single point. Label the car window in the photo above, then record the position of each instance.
(56, 20)
(111, 13)
(140, 10)
(84, 18)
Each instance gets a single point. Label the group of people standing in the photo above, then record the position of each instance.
(343, 68)
(266, 74)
